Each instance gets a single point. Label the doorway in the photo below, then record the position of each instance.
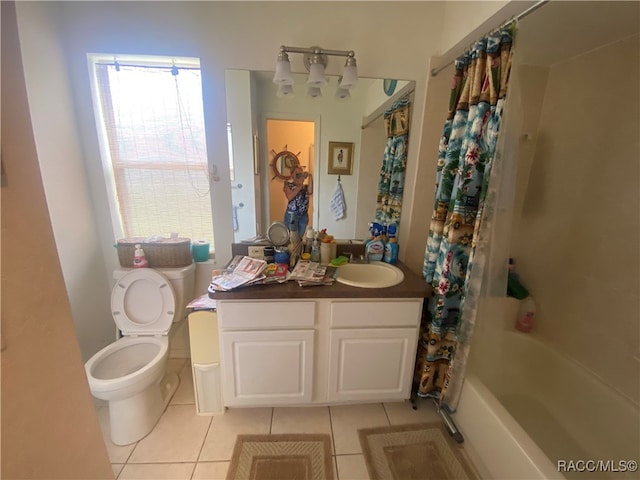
(298, 137)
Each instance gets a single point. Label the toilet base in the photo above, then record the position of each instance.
(133, 418)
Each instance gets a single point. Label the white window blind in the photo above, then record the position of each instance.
(153, 130)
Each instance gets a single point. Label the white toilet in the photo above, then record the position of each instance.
(131, 372)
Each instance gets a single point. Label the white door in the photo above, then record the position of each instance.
(273, 367)
(371, 364)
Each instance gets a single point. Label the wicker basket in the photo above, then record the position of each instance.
(166, 253)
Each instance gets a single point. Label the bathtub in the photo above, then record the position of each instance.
(540, 408)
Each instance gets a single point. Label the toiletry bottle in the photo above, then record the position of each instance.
(315, 251)
(139, 260)
(376, 230)
(308, 238)
(374, 247)
(391, 247)
(526, 314)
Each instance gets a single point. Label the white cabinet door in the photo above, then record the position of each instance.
(371, 364)
(270, 367)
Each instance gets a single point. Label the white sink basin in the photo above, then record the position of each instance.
(370, 275)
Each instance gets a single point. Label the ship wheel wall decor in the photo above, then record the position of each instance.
(283, 163)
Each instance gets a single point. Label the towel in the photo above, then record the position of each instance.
(337, 205)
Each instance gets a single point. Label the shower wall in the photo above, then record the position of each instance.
(576, 228)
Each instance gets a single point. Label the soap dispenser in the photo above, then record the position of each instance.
(139, 259)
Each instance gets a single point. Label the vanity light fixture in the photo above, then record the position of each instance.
(315, 61)
(314, 91)
(350, 72)
(342, 93)
(316, 70)
(285, 90)
(283, 70)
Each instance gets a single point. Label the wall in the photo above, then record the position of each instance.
(414, 242)
(49, 425)
(576, 244)
(64, 176)
(373, 143)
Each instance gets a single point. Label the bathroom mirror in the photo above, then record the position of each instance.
(261, 161)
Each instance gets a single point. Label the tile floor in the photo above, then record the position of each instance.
(185, 446)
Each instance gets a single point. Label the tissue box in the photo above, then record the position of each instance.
(164, 253)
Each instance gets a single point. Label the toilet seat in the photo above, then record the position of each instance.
(143, 303)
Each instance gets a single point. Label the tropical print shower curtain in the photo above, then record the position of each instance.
(394, 163)
(466, 153)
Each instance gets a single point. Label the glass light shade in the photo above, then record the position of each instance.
(314, 91)
(283, 73)
(316, 75)
(284, 91)
(342, 93)
(349, 76)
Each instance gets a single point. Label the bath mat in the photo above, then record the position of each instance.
(281, 457)
(422, 451)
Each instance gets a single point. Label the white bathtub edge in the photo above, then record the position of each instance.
(495, 442)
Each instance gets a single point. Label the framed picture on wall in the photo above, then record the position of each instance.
(340, 158)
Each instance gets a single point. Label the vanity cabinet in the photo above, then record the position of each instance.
(322, 351)
(267, 352)
(372, 348)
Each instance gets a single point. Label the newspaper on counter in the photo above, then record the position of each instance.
(244, 271)
(203, 302)
(327, 278)
(312, 273)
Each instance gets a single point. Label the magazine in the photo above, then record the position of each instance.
(276, 272)
(244, 271)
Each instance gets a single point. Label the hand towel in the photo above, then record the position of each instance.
(337, 205)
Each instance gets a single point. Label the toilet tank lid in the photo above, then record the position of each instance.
(170, 273)
(143, 303)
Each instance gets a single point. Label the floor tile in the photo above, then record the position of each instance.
(157, 471)
(184, 394)
(177, 437)
(402, 412)
(117, 468)
(174, 365)
(351, 467)
(117, 453)
(347, 419)
(301, 420)
(210, 471)
(224, 429)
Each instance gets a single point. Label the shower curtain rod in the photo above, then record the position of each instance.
(520, 16)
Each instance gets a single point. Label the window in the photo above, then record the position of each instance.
(151, 128)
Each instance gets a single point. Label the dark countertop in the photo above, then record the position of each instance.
(413, 286)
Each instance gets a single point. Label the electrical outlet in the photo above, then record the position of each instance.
(256, 252)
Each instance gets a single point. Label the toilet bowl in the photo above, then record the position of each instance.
(130, 374)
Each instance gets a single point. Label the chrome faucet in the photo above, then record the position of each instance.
(359, 259)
